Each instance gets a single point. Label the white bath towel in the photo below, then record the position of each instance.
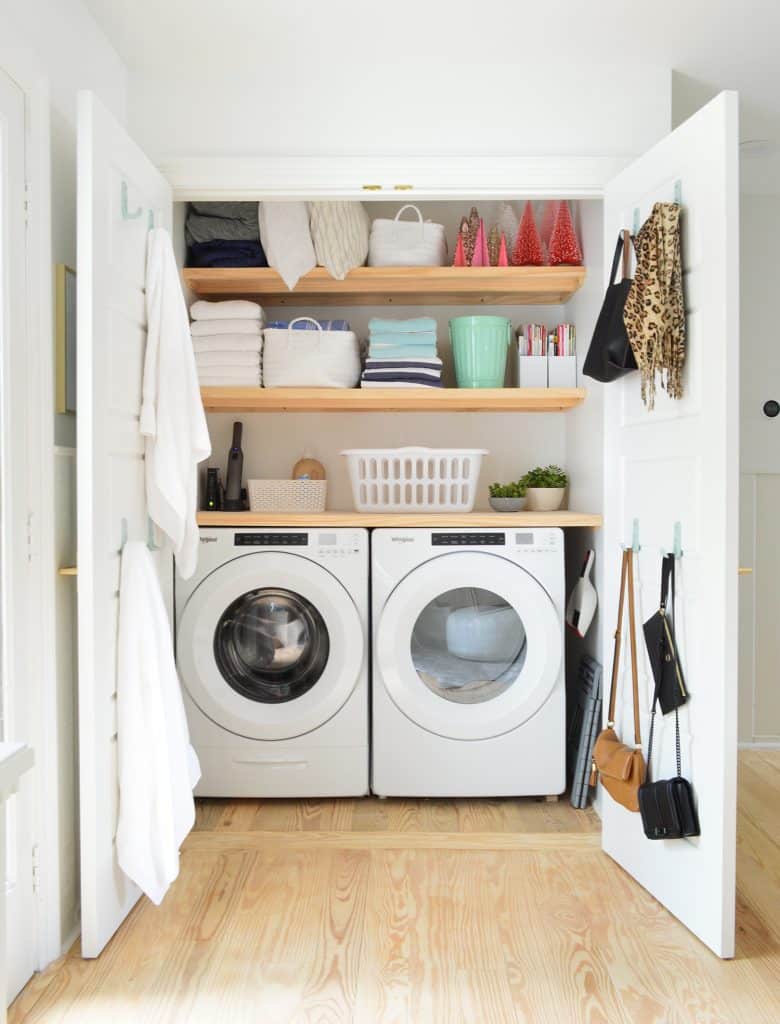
(210, 328)
(234, 380)
(229, 343)
(172, 418)
(231, 360)
(157, 766)
(230, 309)
(286, 238)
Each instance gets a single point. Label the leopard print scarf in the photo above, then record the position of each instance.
(654, 312)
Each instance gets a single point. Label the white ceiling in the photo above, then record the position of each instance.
(720, 44)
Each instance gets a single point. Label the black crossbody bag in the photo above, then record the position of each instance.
(610, 355)
(667, 807)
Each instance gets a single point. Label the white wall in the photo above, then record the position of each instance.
(760, 467)
(61, 38)
(344, 99)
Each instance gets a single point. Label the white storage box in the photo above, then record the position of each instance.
(287, 495)
(532, 371)
(562, 371)
(310, 359)
(403, 243)
(414, 479)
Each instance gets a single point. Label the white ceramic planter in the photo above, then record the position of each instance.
(544, 499)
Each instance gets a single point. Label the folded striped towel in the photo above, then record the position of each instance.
(229, 343)
(209, 328)
(229, 359)
(400, 384)
(231, 309)
(384, 325)
(413, 362)
(417, 373)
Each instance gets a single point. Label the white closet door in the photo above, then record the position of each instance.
(680, 463)
(118, 191)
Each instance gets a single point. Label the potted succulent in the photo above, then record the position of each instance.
(507, 497)
(545, 487)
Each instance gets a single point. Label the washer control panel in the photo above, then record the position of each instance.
(265, 540)
(470, 539)
(333, 545)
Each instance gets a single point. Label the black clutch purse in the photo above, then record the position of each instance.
(662, 648)
(667, 807)
(610, 355)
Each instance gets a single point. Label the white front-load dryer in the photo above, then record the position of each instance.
(468, 689)
(272, 650)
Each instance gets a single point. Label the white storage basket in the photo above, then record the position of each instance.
(414, 479)
(287, 495)
(403, 243)
(310, 359)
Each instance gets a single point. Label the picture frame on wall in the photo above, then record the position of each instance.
(65, 337)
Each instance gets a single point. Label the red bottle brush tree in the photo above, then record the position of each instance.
(460, 251)
(528, 247)
(564, 247)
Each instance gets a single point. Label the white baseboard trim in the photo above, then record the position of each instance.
(770, 743)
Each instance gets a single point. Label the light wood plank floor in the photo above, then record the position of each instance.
(424, 912)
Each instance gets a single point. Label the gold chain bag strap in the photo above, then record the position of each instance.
(620, 766)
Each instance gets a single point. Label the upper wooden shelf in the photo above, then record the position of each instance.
(391, 399)
(399, 519)
(402, 286)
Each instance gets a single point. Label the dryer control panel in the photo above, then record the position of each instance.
(456, 539)
(265, 540)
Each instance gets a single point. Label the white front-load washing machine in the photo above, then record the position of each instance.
(468, 689)
(272, 650)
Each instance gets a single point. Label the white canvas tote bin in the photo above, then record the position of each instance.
(310, 359)
(405, 243)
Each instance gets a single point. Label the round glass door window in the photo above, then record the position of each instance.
(271, 645)
(468, 645)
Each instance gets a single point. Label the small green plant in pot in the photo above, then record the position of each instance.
(545, 487)
(507, 497)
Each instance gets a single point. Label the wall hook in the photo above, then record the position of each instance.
(150, 535)
(122, 535)
(678, 192)
(636, 547)
(635, 228)
(677, 548)
(126, 214)
(151, 220)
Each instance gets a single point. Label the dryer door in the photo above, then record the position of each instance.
(469, 645)
(270, 645)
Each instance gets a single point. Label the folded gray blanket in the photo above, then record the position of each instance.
(209, 222)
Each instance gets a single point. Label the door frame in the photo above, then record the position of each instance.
(39, 494)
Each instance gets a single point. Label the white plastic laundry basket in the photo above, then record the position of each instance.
(414, 479)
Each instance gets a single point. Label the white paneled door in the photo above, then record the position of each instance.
(679, 463)
(120, 194)
(16, 703)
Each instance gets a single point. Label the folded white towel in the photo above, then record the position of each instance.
(236, 380)
(157, 766)
(286, 238)
(210, 328)
(230, 360)
(231, 309)
(172, 420)
(229, 343)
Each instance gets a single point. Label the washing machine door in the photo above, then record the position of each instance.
(469, 645)
(270, 645)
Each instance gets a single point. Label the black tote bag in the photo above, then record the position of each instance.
(610, 356)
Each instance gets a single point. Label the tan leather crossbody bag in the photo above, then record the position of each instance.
(621, 767)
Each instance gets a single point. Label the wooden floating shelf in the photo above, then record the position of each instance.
(391, 399)
(402, 286)
(399, 519)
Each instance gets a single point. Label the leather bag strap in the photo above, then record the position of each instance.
(626, 236)
(632, 641)
(620, 247)
(618, 641)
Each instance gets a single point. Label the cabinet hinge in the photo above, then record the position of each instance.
(36, 868)
(30, 540)
(27, 201)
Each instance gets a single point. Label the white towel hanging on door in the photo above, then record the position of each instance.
(172, 417)
(157, 766)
